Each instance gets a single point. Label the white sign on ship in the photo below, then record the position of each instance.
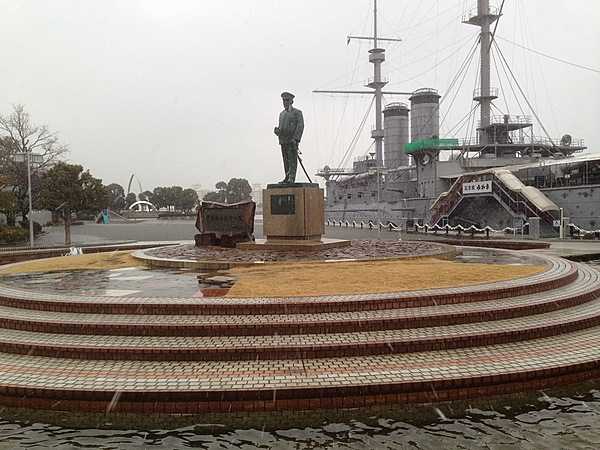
(477, 187)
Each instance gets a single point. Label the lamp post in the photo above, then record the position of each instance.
(27, 157)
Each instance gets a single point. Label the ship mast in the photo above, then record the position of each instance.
(376, 56)
(483, 19)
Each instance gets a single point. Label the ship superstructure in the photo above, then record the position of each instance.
(504, 175)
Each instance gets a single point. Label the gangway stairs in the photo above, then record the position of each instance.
(520, 200)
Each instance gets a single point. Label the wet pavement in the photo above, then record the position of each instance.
(134, 281)
(360, 249)
(184, 230)
(174, 283)
(563, 420)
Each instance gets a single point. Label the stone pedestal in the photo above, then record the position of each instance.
(293, 219)
(293, 212)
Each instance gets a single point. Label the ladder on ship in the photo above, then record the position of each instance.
(519, 200)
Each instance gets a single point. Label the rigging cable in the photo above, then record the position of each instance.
(466, 71)
(427, 56)
(426, 18)
(437, 40)
(354, 71)
(504, 97)
(591, 69)
(430, 68)
(510, 83)
(369, 148)
(526, 100)
(472, 124)
(393, 44)
(464, 65)
(356, 134)
(345, 74)
(459, 125)
(527, 79)
(423, 39)
(496, 26)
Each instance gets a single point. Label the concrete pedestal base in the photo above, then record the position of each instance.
(293, 212)
(293, 220)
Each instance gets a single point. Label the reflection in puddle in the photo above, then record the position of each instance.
(549, 423)
(144, 282)
(113, 283)
(490, 256)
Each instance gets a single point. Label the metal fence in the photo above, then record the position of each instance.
(574, 230)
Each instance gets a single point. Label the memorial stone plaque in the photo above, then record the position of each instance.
(283, 204)
(224, 220)
(225, 225)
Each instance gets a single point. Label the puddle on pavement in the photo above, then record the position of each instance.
(490, 256)
(133, 281)
(145, 282)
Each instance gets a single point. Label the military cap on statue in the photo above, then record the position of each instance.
(287, 95)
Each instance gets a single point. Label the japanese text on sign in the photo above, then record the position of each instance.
(477, 187)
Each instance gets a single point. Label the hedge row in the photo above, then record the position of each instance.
(12, 235)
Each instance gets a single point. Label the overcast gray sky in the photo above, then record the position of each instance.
(187, 92)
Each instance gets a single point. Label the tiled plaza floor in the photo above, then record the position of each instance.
(82, 349)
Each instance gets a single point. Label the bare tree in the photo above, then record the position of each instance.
(19, 135)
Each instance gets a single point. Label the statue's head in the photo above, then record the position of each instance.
(288, 99)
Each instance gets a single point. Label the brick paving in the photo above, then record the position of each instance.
(162, 355)
(410, 331)
(360, 249)
(559, 273)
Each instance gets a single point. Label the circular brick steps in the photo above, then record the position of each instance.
(223, 386)
(404, 330)
(582, 289)
(157, 355)
(559, 272)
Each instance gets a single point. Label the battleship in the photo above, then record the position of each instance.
(502, 176)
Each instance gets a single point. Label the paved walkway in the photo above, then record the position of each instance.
(157, 355)
(570, 248)
(184, 230)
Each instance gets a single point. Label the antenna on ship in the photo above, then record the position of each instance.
(376, 56)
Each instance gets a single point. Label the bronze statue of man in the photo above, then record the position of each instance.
(289, 131)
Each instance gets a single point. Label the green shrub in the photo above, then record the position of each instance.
(12, 235)
(37, 228)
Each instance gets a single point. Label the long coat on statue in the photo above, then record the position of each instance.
(291, 126)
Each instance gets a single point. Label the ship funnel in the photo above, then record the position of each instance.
(424, 114)
(395, 129)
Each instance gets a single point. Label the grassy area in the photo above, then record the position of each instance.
(283, 280)
(108, 260)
